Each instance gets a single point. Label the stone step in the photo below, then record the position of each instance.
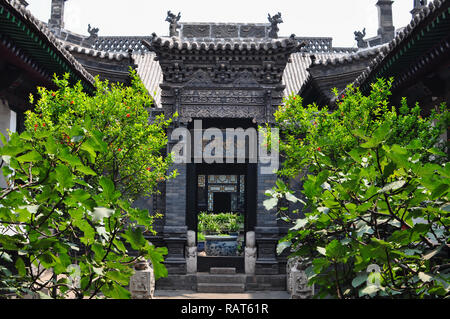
(220, 288)
(217, 279)
(222, 270)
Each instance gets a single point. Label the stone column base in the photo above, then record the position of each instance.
(175, 239)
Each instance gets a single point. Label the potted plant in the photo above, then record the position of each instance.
(221, 232)
(200, 241)
(234, 224)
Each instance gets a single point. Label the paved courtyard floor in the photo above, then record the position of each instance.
(185, 294)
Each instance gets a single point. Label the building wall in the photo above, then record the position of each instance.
(7, 123)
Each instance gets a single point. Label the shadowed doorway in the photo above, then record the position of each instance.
(222, 202)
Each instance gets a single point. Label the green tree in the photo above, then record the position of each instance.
(376, 191)
(72, 178)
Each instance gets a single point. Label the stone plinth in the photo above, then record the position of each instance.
(297, 280)
(250, 253)
(191, 253)
(142, 283)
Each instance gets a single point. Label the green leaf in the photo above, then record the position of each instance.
(360, 133)
(439, 191)
(64, 177)
(359, 279)
(3, 139)
(292, 198)
(322, 251)
(335, 249)
(31, 157)
(436, 151)
(380, 242)
(392, 186)
(26, 136)
(445, 170)
(99, 252)
(270, 203)
(300, 223)
(107, 186)
(399, 159)
(382, 132)
(414, 144)
(371, 143)
(43, 295)
(47, 259)
(425, 277)
(398, 149)
(7, 171)
(433, 252)
(369, 290)
(86, 170)
(156, 256)
(77, 138)
(98, 270)
(51, 146)
(310, 273)
(89, 232)
(66, 156)
(89, 147)
(282, 246)
(79, 196)
(319, 264)
(116, 291)
(364, 229)
(5, 256)
(20, 266)
(119, 277)
(355, 155)
(135, 238)
(119, 244)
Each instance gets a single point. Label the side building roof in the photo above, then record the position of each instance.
(337, 71)
(19, 28)
(421, 46)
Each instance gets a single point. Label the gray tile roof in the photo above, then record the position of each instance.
(402, 39)
(296, 72)
(118, 56)
(197, 44)
(150, 73)
(121, 43)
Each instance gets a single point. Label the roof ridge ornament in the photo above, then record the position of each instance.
(274, 22)
(173, 21)
(359, 37)
(93, 32)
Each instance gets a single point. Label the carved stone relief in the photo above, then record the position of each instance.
(188, 112)
(234, 97)
(250, 253)
(196, 31)
(225, 31)
(252, 31)
(297, 280)
(191, 253)
(199, 78)
(246, 79)
(142, 283)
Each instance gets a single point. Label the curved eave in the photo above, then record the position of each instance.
(424, 40)
(103, 55)
(34, 38)
(159, 44)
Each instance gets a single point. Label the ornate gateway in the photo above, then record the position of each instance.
(226, 74)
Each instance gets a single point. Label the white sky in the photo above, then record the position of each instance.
(322, 18)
